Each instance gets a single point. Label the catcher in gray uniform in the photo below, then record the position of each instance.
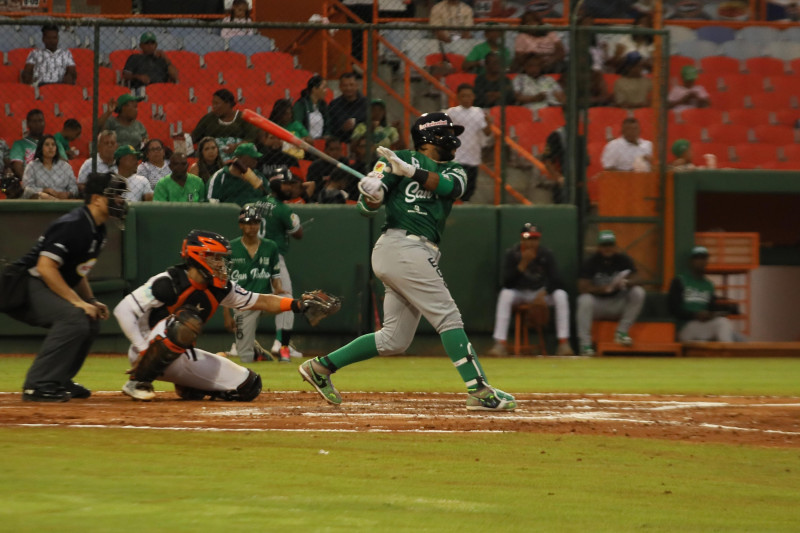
(418, 188)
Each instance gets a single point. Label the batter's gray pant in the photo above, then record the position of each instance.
(409, 269)
(624, 306)
(717, 329)
(246, 325)
(70, 336)
(284, 320)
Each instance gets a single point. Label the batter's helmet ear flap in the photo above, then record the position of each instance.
(209, 253)
(437, 129)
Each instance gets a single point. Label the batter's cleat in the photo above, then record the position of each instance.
(284, 355)
(321, 382)
(78, 391)
(139, 390)
(587, 349)
(260, 354)
(564, 349)
(500, 349)
(490, 399)
(623, 339)
(46, 394)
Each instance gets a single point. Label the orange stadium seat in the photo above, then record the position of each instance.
(755, 154)
(720, 65)
(730, 99)
(690, 131)
(786, 117)
(677, 62)
(454, 80)
(515, 115)
(264, 96)
(203, 92)
(223, 60)
(603, 118)
(188, 114)
(60, 92)
(749, 117)
(117, 58)
(77, 109)
(9, 74)
(790, 152)
(84, 65)
(765, 66)
(530, 134)
(766, 133)
(701, 116)
(775, 100)
(743, 83)
(244, 78)
(718, 149)
(727, 133)
(274, 62)
(188, 65)
(106, 93)
(17, 57)
(455, 60)
(157, 129)
(551, 117)
(162, 93)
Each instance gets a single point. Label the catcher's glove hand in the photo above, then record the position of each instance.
(318, 304)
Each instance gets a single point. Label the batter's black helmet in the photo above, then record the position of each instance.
(279, 176)
(250, 213)
(436, 129)
(209, 252)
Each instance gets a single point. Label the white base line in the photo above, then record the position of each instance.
(254, 430)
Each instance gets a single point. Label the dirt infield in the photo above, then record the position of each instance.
(730, 419)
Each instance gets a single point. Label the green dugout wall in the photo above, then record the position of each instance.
(334, 254)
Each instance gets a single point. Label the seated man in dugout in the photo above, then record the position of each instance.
(609, 290)
(700, 315)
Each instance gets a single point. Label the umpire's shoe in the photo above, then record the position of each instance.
(46, 394)
(78, 391)
(139, 390)
(490, 399)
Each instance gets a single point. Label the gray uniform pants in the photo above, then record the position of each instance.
(284, 320)
(246, 324)
(624, 306)
(717, 329)
(68, 340)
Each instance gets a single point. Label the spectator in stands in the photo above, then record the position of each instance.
(238, 182)
(127, 159)
(690, 11)
(320, 170)
(4, 162)
(334, 190)
(179, 185)
(23, 150)
(592, 54)
(493, 87)
(533, 89)
(477, 125)
(475, 60)
(283, 116)
(273, 156)
(151, 66)
(609, 290)
(50, 64)
(643, 44)
(48, 176)
(225, 124)
(632, 89)
(383, 134)
(544, 44)
(530, 276)
(349, 109)
(682, 150)
(155, 161)
(451, 13)
(628, 151)
(239, 13)
(70, 131)
(208, 160)
(592, 88)
(106, 146)
(557, 164)
(688, 95)
(311, 110)
(126, 124)
(700, 315)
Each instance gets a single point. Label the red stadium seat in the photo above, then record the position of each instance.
(84, 65)
(677, 62)
(721, 150)
(781, 83)
(274, 62)
(775, 100)
(755, 154)
(794, 65)
(20, 105)
(188, 65)
(10, 127)
(60, 92)
(515, 115)
(163, 93)
(765, 66)
(455, 60)
(605, 123)
(17, 57)
(15, 91)
(106, 76)
(157, 129)
(9, 74)
(223, 60)
(295, 81)
(117, 58)
(106, 93)
(701, 116)
(454, 80)
(264, 96)
(80, 110)
(765, 133)
(551, 117)
(744, 83)
(690, 131)
(203, 92)
(786, 117)
(242, 78)
(727, 133)
(749, 117)
(188, 114)
(530, 134)
(790, 152)
(78, 162)
(730, 99)
(720, 65)
(781, 165)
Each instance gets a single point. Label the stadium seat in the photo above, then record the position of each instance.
(743, 84)
(607, 116)
(162, 93)
(701, 116)
(203, 92)
(203, 44)
(81, 110)
(515, 114)
(77, 163)
(295, 81)
(758, 34)
(106, 75)
(17, 57)
(647, 119)
(698, 49)
(264, 96)
(774, 101)
(251, 44)
(454, 80)
(716, 34)
(21, 104)
(185, 116)
(117, 58)
(786, 117)
(222, 60)
(84, 65)
(781, 165)
(10, 127)
(786, 51)
(720, 150)
(273, 62)
(183, 59)
(107, 93)
(749, 117)
(742, 49)
(690, 131)
(766, 133)
(61, 92)
(455, 60)
(719, 65)
(754, 154)
(765, 66)
(243, 78)
(530, 134)
(677, 62)
(785, 82)
(733, 98)
(727, 133)
(790, 152)
(552, 117)
(9, 74)
(157, 129)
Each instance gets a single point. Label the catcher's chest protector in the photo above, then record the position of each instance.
(177, 291)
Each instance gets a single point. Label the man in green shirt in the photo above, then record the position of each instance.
(238, 182)
(474, 62)
(69, 132)
(255, 267)
(179, 186)
(418, 188)
(693, 303)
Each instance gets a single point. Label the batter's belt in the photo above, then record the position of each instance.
(411, 236)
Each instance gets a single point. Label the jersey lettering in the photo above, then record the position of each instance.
(414, 192)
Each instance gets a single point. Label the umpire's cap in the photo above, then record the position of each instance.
(250, 213)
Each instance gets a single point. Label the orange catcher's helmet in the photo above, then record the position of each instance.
(209, 252)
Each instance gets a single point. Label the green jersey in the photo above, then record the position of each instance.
(697, 293)
(412, 208)
(225, 187)
(279, 222)
(254, 273)
(167, 190)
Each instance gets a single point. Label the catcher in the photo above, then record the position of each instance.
(164, 317)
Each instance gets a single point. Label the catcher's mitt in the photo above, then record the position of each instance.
(538, 314)
(318, 305)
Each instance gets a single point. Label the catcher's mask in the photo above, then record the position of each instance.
(278, 177)
(437, 129)
(111, 186)
(210, 253)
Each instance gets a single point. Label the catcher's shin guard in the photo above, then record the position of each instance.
(473, 375)
(183, 328)
(246, 392)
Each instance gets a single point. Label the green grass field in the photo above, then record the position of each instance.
(129, 480)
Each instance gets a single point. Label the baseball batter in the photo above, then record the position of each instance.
(418, 188)
(164, 317)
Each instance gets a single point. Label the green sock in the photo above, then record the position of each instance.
(361, 349)
(458, 348)
(279, 336)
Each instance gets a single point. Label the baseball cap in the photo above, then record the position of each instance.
(606, 237)
(378, 101)
(689, 73)
(248, 149)
(126, 149)
(680, 147)
(529, 231)
(125, 98)
(699, 251)
(148, 37)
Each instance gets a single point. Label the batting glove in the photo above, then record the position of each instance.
(399, 167)
(372, 189)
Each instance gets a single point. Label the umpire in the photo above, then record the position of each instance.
(59, 297)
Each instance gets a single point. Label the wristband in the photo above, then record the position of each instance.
(420, 176)
(286, 304)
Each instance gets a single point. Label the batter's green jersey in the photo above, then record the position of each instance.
(279, 222)
(412, 208)
(254, 273)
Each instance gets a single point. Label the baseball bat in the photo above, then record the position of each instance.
(267, 125)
